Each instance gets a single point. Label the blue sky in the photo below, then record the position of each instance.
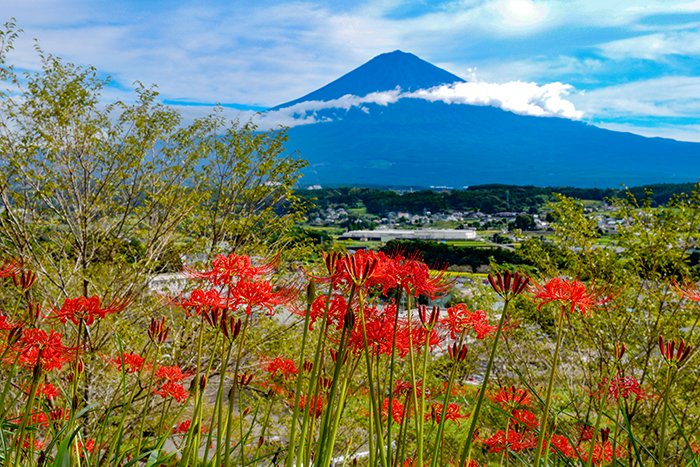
(632, 65)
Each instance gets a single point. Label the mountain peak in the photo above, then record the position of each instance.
(384, 72)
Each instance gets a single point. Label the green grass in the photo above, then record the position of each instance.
(357, 211)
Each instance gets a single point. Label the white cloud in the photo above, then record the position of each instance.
(654, 46)
(547, 100)
(515, 96)
(670, 96)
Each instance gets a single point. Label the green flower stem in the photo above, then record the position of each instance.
(146, 404)
(114, 445)
(219, 406)
(412, 367)
(197, 395)
(75, 385)
(198, 414)
(324, 448)
(662, 437)
(297, 390)
(36, 377)
(339, 412)
(377, 429)
(421, 407)
(437, 452)
(550, 385)
(467, 451)
(599, 417)
(232, 394)
(266, 421)
(391, 375)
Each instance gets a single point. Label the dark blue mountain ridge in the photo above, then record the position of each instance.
(421, 143)
(384, 72)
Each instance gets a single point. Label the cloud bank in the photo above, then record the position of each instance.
(547, 100)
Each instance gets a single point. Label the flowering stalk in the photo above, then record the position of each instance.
(297, 392)
(146, 404)
(550, 385)
(458, 353)
(218, 406)
(619, 352)
(428, 325)
(467, 451)
(675, 354)
(326, 440)
(374, 403)
(390, 389)
(339, 412)
(232, 394)
(36, 376)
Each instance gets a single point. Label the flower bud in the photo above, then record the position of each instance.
(310, 293)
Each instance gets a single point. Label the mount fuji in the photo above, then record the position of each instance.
(382, 124)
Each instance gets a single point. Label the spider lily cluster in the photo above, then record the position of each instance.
(374, 369)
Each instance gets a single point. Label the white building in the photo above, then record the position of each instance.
(384, 235)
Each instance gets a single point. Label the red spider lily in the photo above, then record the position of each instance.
(459, 319)
(285, 367)
(172, 390)
(86, 309)
(129, 362)
(524, 417)
(231, 327)
(620, 350)
(203, 302)
(226, 270)
(572, 292)
(315, 405)
(39, 419)
(695, 447)
(508, 285)
(244, 379)
(428, 319)
(379, 326)
(336, 310)
(453, 413)
(457, 353)
(183, 427)
(171, 373)
(602, 453)
(511, 397)
(87, 447)
(409, 274)
(38, 444)
(673, 352)
(360, 266)
(5, 325)
(10, 267)
(37, 348)
(48, 390)
(259, 294)
(688, 290)
(620, 387)
(562, 445)
(158, 331)
(24, 279)
(402, 387)
(334, 267)
(513, 440)
(397, 410)
(334, 356)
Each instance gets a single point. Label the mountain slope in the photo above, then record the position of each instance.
(417, 142)
(414, 142)
(383, 73)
